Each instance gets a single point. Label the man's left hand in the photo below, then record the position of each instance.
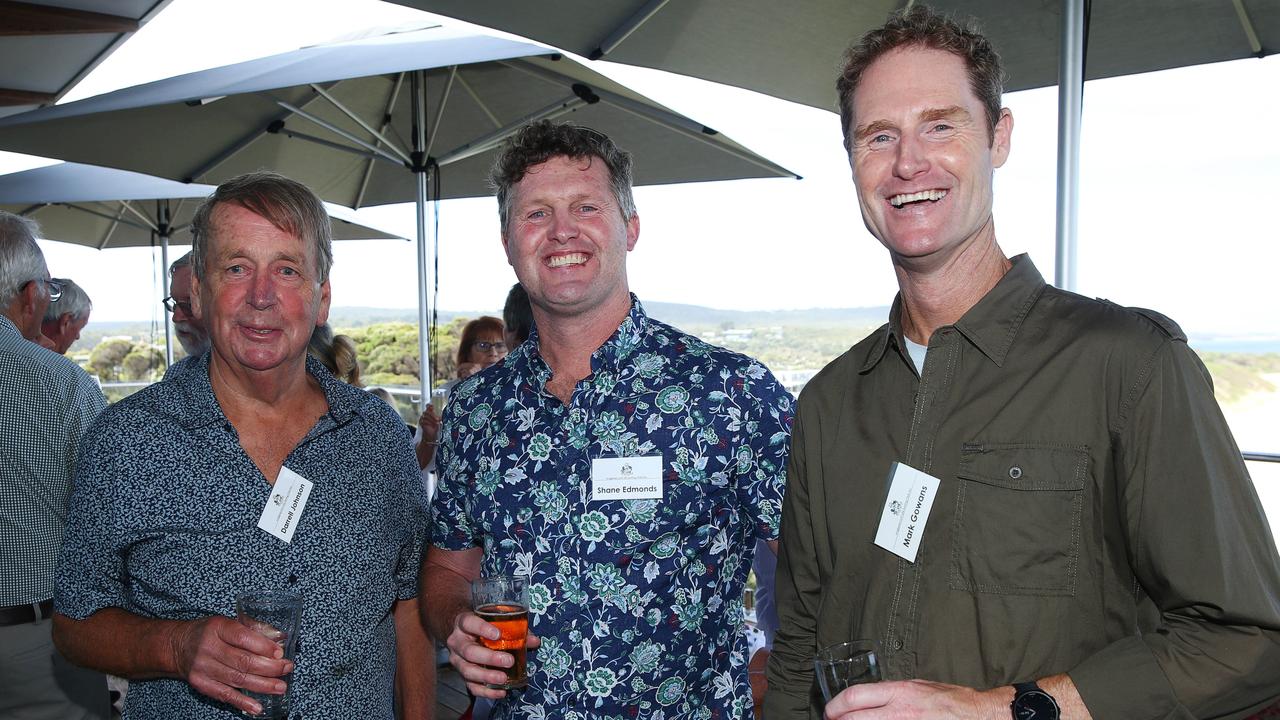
(909, 699)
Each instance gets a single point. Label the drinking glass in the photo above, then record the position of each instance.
(844, 664)
(503, 601)
(276, 615)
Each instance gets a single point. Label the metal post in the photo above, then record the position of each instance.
(162, 216)
(1070, 104)
(426, 259)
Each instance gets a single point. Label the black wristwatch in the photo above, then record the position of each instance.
(1032, 703)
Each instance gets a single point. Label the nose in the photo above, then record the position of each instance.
(565, 227)
(911, 158)
(262, 294)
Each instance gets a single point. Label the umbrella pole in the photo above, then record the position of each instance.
(1070, 103)
(426, 263)
(162, 214)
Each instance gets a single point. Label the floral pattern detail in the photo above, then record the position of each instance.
(638, 602)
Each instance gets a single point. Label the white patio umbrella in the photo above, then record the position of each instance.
(368, 122)
(106, 208)
(793, 50)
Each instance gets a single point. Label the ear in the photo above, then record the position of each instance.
(633, 232)
(1001, 137)
(506, 248)
(65, 321)
(325, 297)
(197, 290)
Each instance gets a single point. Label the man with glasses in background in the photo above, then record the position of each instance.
(190, 329)
(46, 402)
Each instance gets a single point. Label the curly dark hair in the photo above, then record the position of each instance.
(922, 26)
(538, 142)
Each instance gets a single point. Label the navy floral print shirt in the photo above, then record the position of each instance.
(163, 523)
(638, 602)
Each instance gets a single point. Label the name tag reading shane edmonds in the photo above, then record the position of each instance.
(906, 511)
(285, 504)
(629, 478)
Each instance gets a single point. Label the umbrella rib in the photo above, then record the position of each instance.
(335, 146)
(359, 121)
(487, 142)
(683, 125)
(239, 145)
(99, 213)
(343, 133)
(386, 123)
(623, 31)
(444, 99)
(1249, 31)
(140, 215)
(476, 96)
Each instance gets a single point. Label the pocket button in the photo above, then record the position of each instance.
(1015, 472)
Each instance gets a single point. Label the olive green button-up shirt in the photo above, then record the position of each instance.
(1094, 515)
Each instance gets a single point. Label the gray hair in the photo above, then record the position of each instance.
(74, 302)
(176, 265)
(21, 259)
(538, 142)
(287, 204)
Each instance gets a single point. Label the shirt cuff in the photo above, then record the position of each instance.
(1123, 680)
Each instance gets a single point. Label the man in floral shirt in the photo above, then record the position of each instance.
(626, 467)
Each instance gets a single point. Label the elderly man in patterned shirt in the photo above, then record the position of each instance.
(46, 402)
(168, 520)
(636, 585)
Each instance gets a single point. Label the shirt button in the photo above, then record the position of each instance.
(293, 579)
(1015, 472)
(897, 644)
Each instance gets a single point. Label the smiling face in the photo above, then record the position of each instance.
(567, 239)
(923, 157)
(261, 297)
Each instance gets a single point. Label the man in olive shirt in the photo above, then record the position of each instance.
(1094, 538)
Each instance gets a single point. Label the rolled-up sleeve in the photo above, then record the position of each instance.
(1203, 553)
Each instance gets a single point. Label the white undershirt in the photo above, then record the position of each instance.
(917, 353)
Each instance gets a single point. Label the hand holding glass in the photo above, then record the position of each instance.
(275, 615)
(503, 601)
(844, 664)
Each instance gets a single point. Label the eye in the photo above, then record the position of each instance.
(536, 214)
(235, 270)
(289, 271)
(587, 208)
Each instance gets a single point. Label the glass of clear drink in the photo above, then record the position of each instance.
(503, 601)
(844, 664)
(275, 614)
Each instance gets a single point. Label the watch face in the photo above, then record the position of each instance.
(1035, 705)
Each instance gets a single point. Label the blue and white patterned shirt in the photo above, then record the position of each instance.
(163, 524)
(46, 403)
(638, 602)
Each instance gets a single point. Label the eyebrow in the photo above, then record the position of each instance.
(951, 112)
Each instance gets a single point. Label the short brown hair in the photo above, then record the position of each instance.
(538, 142)
(287, 204)
(922, 26)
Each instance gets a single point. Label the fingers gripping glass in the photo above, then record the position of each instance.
(485, 346)
(849, 663)
(173, 305)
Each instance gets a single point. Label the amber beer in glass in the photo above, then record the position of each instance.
(503, 601)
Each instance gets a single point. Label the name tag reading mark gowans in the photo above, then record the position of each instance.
(628, 478)
(906, 510)
(285, 504)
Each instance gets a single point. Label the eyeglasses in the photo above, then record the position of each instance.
(173, 305)
(55, 290)
(485, 346)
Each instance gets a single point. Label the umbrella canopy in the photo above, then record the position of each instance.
(366, 122)
(106, 208)
(792, 50)
(50, 46)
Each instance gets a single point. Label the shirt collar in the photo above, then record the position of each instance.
(991, 324)
(201, 407)
(621, 345)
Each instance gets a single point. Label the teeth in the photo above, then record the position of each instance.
(900, 200)
(570, 259)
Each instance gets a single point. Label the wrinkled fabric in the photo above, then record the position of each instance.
(1094, 514)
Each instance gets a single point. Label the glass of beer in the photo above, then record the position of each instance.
(844, 664)
(503, 601)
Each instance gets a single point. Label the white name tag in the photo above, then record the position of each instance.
(629, 478)
(285, 504)
(906, 510)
